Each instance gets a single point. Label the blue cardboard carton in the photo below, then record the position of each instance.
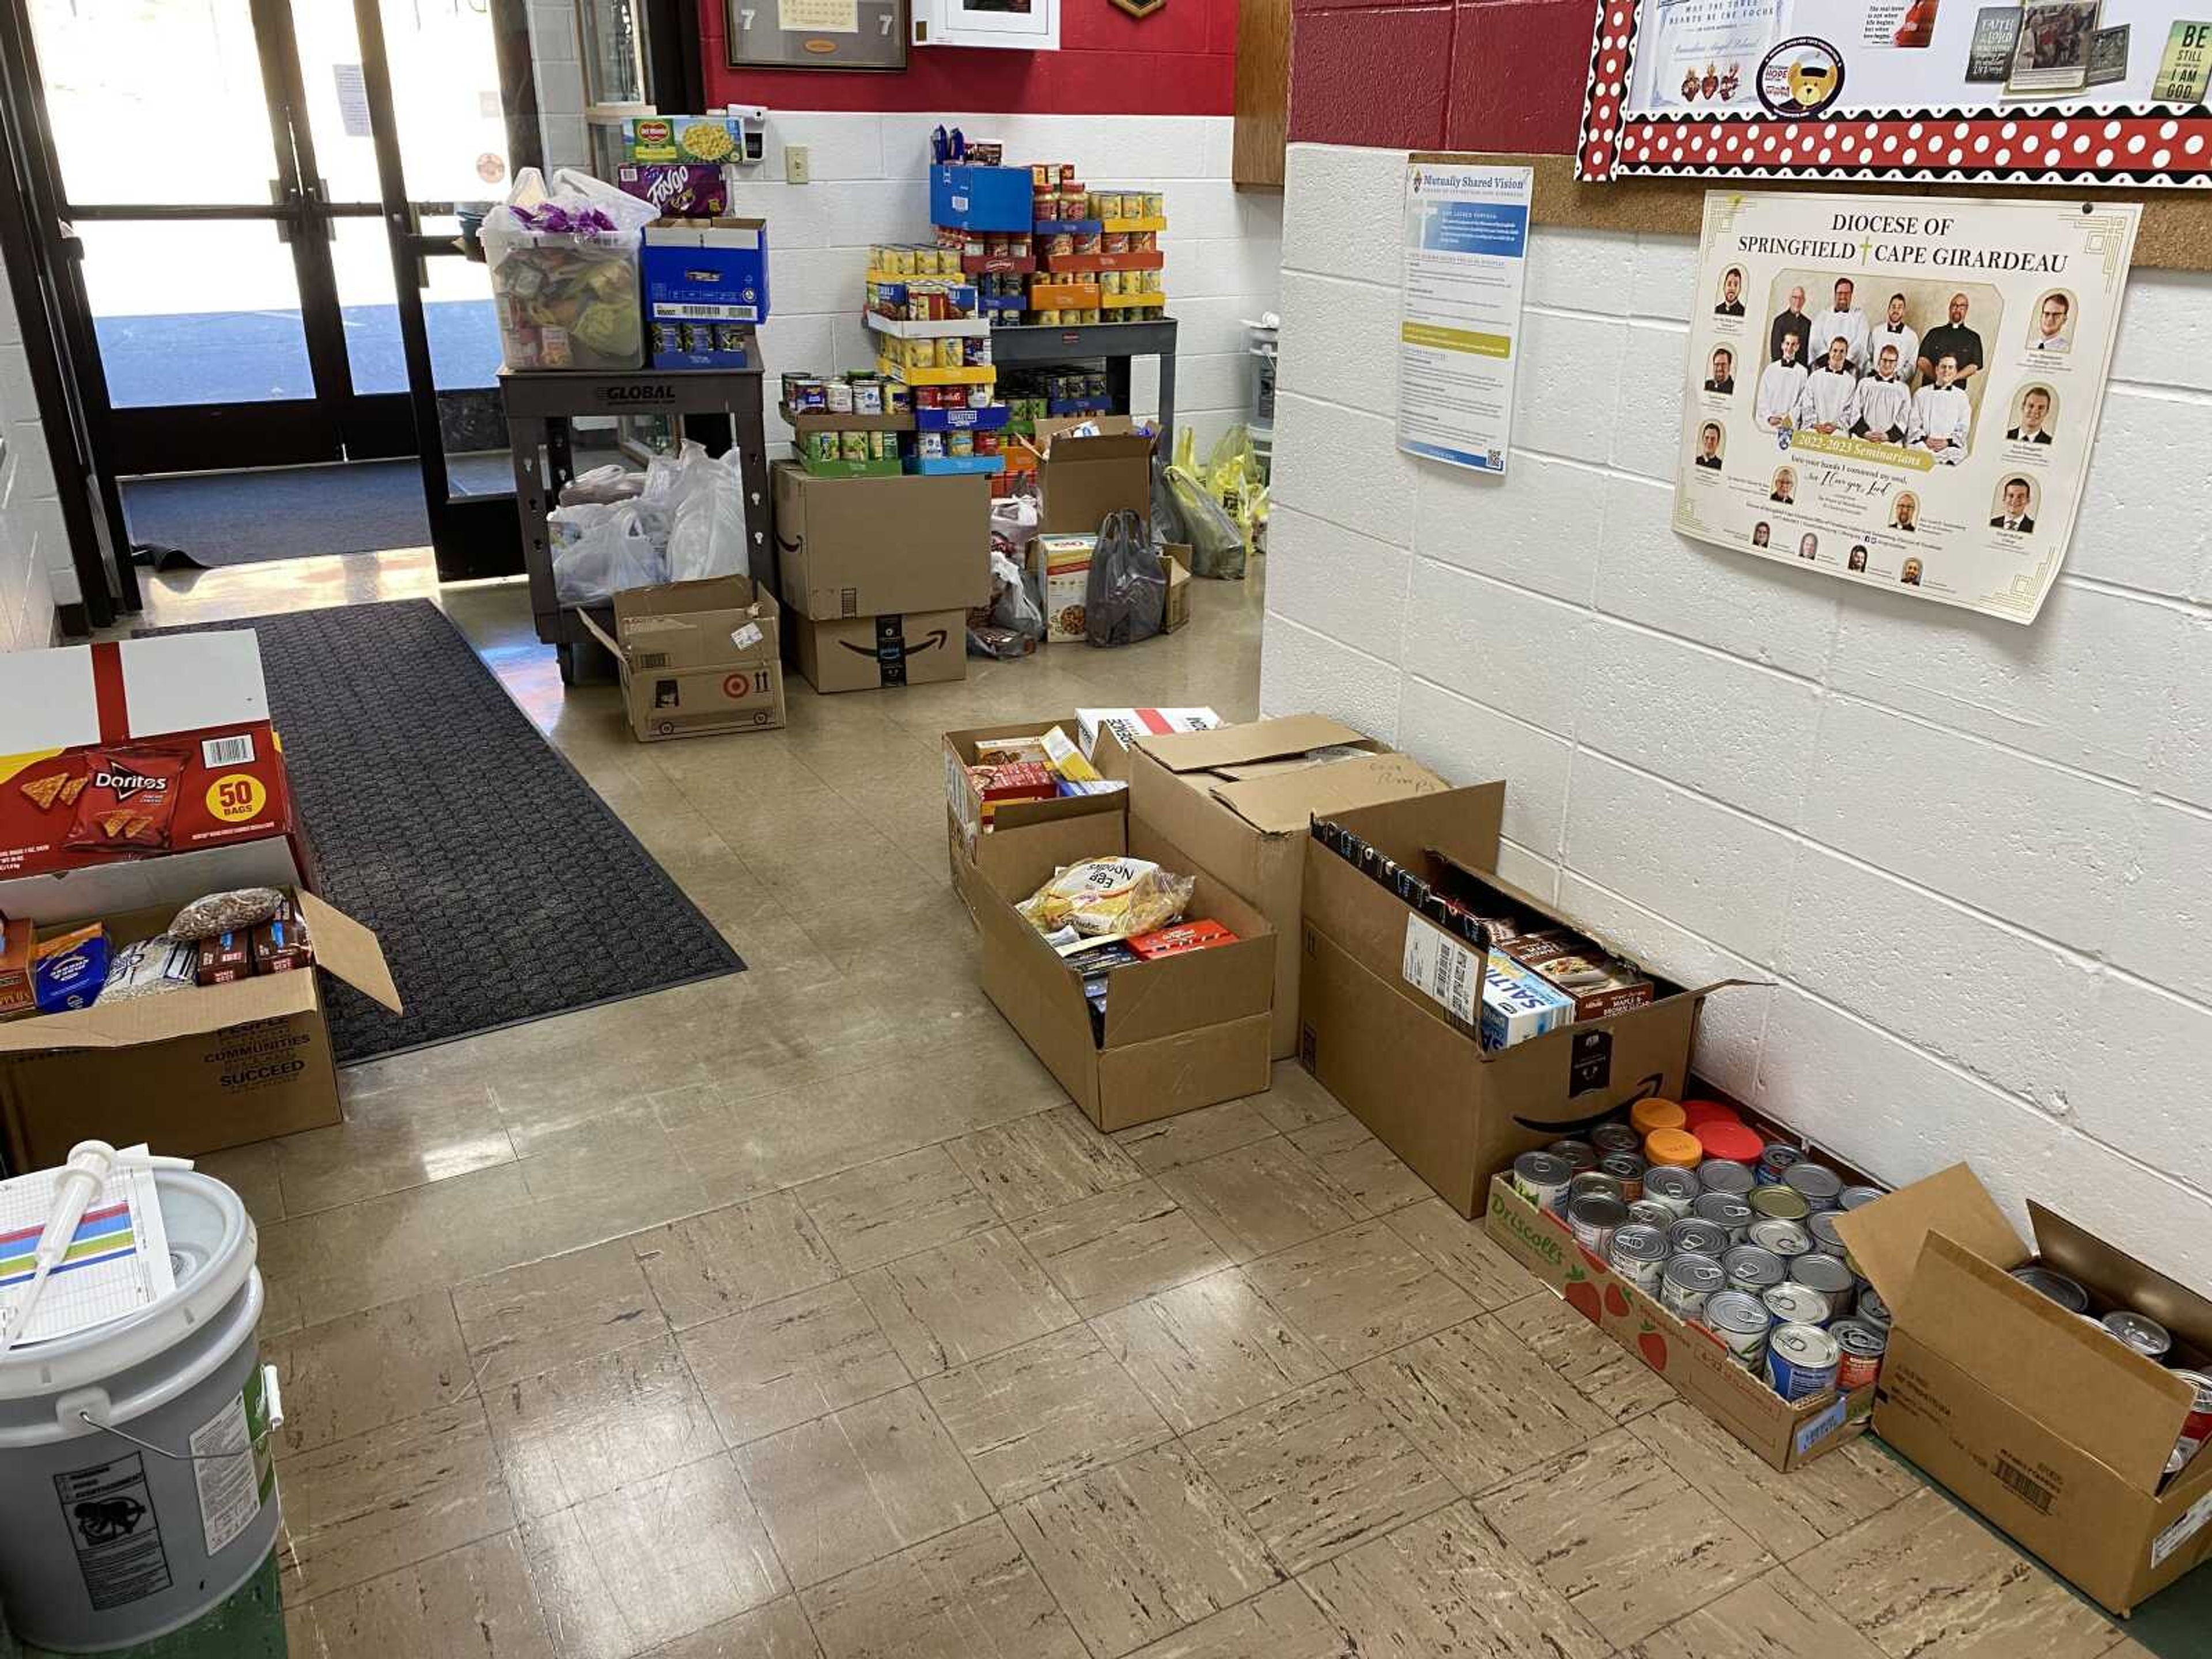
(705, 291)
(981, 199)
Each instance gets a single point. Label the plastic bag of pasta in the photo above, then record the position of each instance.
(1109, 895)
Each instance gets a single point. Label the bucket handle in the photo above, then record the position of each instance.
(270, 1391)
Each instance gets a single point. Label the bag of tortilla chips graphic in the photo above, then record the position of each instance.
(128, 799)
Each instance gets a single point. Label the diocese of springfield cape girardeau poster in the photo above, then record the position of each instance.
(1898, 390)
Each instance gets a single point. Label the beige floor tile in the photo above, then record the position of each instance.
(358, 1508)
(619, 1173)
(778, 1631)
(585, 1428)
(727, 1260)
(1106, 1251)
(475, 1602)
(1478, 1403)
(1043, 1412)
(1206, 1350)
(1188, 1135)
(664, 1559)
(969, 1594)
(1447, 1585)
(343, 1260)
(864, 1483)
(883, 1211)
(1295, 1100)
(1611, 1378)
(1359, 1292)
(1137, 1551)
(1775, 1616)
(1789, 1514)
(528, 1320)
(961, 1301)
(1923, 1577)
(1375, 1178)
(1258, 1198)
(251, 1172)
(1041, 1162)
(390, 1142)
(1463, 1252)
(1623, 1537)
(788, 1361)
(348, 1376)
(1319, 1471)
(1282, 1623)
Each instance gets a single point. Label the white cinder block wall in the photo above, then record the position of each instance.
(1970, 858)
(34, 558)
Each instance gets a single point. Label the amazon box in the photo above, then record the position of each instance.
(1238, 801)
(696, 658)
(862, 654)
(2060, 1436)
(187, 1071)
(981, 847)
(1179, 1033)
(853, 549)
(1390, 1006)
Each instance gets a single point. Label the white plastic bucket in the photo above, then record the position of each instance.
(135, 1456)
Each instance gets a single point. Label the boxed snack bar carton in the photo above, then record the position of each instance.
(1238, 802)
(860, 653)
(982, 847)
(17, 940)
(1786, 1433)
(861, 548)
(697, 658)
(1179, 1032)
(2057, 1434)
(191, 1070)
(1389, 1005)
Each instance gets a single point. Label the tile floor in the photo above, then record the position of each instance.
(796, 1315)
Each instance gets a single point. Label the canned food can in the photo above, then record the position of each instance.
(1638, 1254)
(1860, 1344)
(955, 396)
(1792, 1303)
(928, 396)
(1616, 1138)
(1776, 1160)
(2059, 1288)
(1651, 1214)
(979, 397)
(979, 351)
(1732, 1214)
(1741, 1320)
(839, 394)
(960, 443)
(1628, 1170)
(1816, 1184)
(1675, 1149)
(987, 443)
(1830, 1275)
(1695, 1236)
(1785, 1238)
(1542, 1178)
(1060, 244)
(1858, 1197)
(1870, 1307)
(1596, 1182)
(1090, 241)
(823, 447)
(883, 446)
(1801, 1361)
(1144, 241)
(1579, 1154)
(953, 353)
(853, 446)
(1156, 205)
(1654, 1112)
(1785, 1203)
(1110, 281)
(1595, 1218)
(1689, 1279)
(1114, 241)
(1822, 1224)
(929, 443)
(1675, 1187)
(1067, 174)
(1750, 1268)
(1724, 1175)
(2197, 1427)
(1113, 204)
(1047, 319)
(2140, 1332)
(1042, 175)
(897, 398)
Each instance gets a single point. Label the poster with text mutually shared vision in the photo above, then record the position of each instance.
(1898, 390)
(1459, 334)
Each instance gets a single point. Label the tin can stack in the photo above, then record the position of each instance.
(1096, 250)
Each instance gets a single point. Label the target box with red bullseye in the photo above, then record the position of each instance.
(696, 658)
(133, 772)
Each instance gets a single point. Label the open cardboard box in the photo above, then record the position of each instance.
(1081, 480)
(1787, 1433)
(1238, 802)
(1021, 831)
(1415, 1071)
(849, 548)
(190, 1071)
(696, 658)
(2057, 1433)
(1180, 1033)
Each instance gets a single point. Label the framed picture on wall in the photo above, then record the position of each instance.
(831, 34)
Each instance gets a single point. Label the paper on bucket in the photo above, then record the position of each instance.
(117, 1263)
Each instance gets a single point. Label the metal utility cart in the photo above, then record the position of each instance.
(539, 407)
(1117, 342)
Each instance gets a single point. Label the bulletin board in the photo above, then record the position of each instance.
(2106, 92)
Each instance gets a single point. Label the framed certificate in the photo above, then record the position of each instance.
(835, 34)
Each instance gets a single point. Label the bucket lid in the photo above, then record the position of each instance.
(212, 1245)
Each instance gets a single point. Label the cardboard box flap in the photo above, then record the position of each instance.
(157, 1019)
(1204, 988)
(2083, 1256)
(1106, 427)
(1462, 825)
(1288, 802)
(2095, 1393)
(1258, 740)
(348, 949)
(1886, 1235)
(682, 598)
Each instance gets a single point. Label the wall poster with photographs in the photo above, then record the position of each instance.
(1901, 390)
(2076, 92)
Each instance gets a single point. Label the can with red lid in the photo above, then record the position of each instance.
(1724, 1138)
(1695, 1112)
(2197, 1427)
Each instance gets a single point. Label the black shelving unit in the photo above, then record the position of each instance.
(1116, 343)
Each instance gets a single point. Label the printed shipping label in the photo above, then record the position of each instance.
(111, 1519)
(2191, 1522)
(236, 1474)
(1441, 968)
(747, 637)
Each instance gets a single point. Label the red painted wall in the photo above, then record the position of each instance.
(1181, 60)
(1487, 75)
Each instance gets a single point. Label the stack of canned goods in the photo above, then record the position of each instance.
(2141, 1333)
(1723, 1229)
(914, 259)
(857, 393)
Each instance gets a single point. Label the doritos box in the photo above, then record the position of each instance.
(118, 758)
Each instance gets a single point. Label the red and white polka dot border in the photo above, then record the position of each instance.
(2139, 145)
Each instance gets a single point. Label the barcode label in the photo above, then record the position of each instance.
(227, 752)
(2037, 1495)
(645, 661)
(2181, 1531)
(705, 311)
(1440, 966)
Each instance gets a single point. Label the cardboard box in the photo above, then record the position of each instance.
(1239, 802)
(706, 270)
(17, 940)
(1175, 565)
(1081, 480)
(1182, 1032)
(2057, 1434)
(1788, 1434)
(1022, 832)
(72, 723)
(915, 648)
(871, 547)
(192, 1070)
(1412, 1069)
(697, 658)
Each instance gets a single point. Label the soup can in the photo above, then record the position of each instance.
(1688, 1282)
(1822, 1224)
(1628, 1170)
(839, 394)
(1801, 1361)
(1722, 1174)
(1048, 319)
(1776, 1158)
(1596, 1217)
(1156, 204)
(1792, 1303)
(1652, 1213)
(1831, 1275)
(1784, 1203)
(1640, 1255)
(959, 443)
(1542, 1179)
(2144, 1334)
(1870, 1309)
(1114, 241)
(929, 443)
(1616, 1138)
(1816, 1184)
(2059, 1288)
(1722, 1211)
(853, 446)
(1750, 1268)
(1580, 1154)
(1676, 1188)
(1597, 1183)
(2197, 1427)
(1854, 1197)
(1860, 1344)
(1695, 1236)
(1785, 1238)
(1741, 1322)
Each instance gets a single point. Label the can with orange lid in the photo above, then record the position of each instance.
(1695, 1112)
(1655, 1114)
(1673, 1149)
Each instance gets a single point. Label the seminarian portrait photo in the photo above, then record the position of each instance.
(1722, 377)
(1808, 546)
(1709, 446)
(2032, 416)
(1859, 558)
(1761, 533)
(1910, 574)
(1905, 515)
(1785, 489)
(1731, 303)
(2015, 506)
(2051, 327)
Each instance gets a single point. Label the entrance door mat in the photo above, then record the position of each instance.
(499, 884)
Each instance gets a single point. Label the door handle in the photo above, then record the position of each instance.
(285, 198)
